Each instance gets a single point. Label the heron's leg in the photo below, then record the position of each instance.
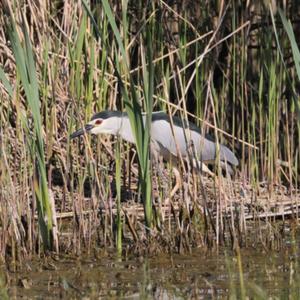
(205, 169)
(178, 184)
(199, 165)
(156, 160)
(176, 187)
(228, 170)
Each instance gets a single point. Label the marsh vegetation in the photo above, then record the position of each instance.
(232, 69)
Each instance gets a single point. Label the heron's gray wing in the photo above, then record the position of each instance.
(205, 149)
(162, 133)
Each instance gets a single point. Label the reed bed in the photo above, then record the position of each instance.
(232, 69)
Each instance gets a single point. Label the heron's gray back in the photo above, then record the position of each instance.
(205, 149)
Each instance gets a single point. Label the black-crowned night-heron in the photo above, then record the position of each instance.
(167, 138)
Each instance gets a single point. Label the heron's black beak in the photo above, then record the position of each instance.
(81, 131)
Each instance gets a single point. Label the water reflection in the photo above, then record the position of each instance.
(196, 276)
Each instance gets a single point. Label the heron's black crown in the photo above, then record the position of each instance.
(107, 114)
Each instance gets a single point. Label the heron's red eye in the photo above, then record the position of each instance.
(98, 122)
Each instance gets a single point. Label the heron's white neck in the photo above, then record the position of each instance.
(125, 131)
(119, 126)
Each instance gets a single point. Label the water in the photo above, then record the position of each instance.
(196, 276)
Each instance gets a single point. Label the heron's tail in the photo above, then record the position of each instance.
(227, 156)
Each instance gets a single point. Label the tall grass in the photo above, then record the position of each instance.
(230, 74)
(118, 188)
(140, 129)
(295, 50)
(26, 70)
